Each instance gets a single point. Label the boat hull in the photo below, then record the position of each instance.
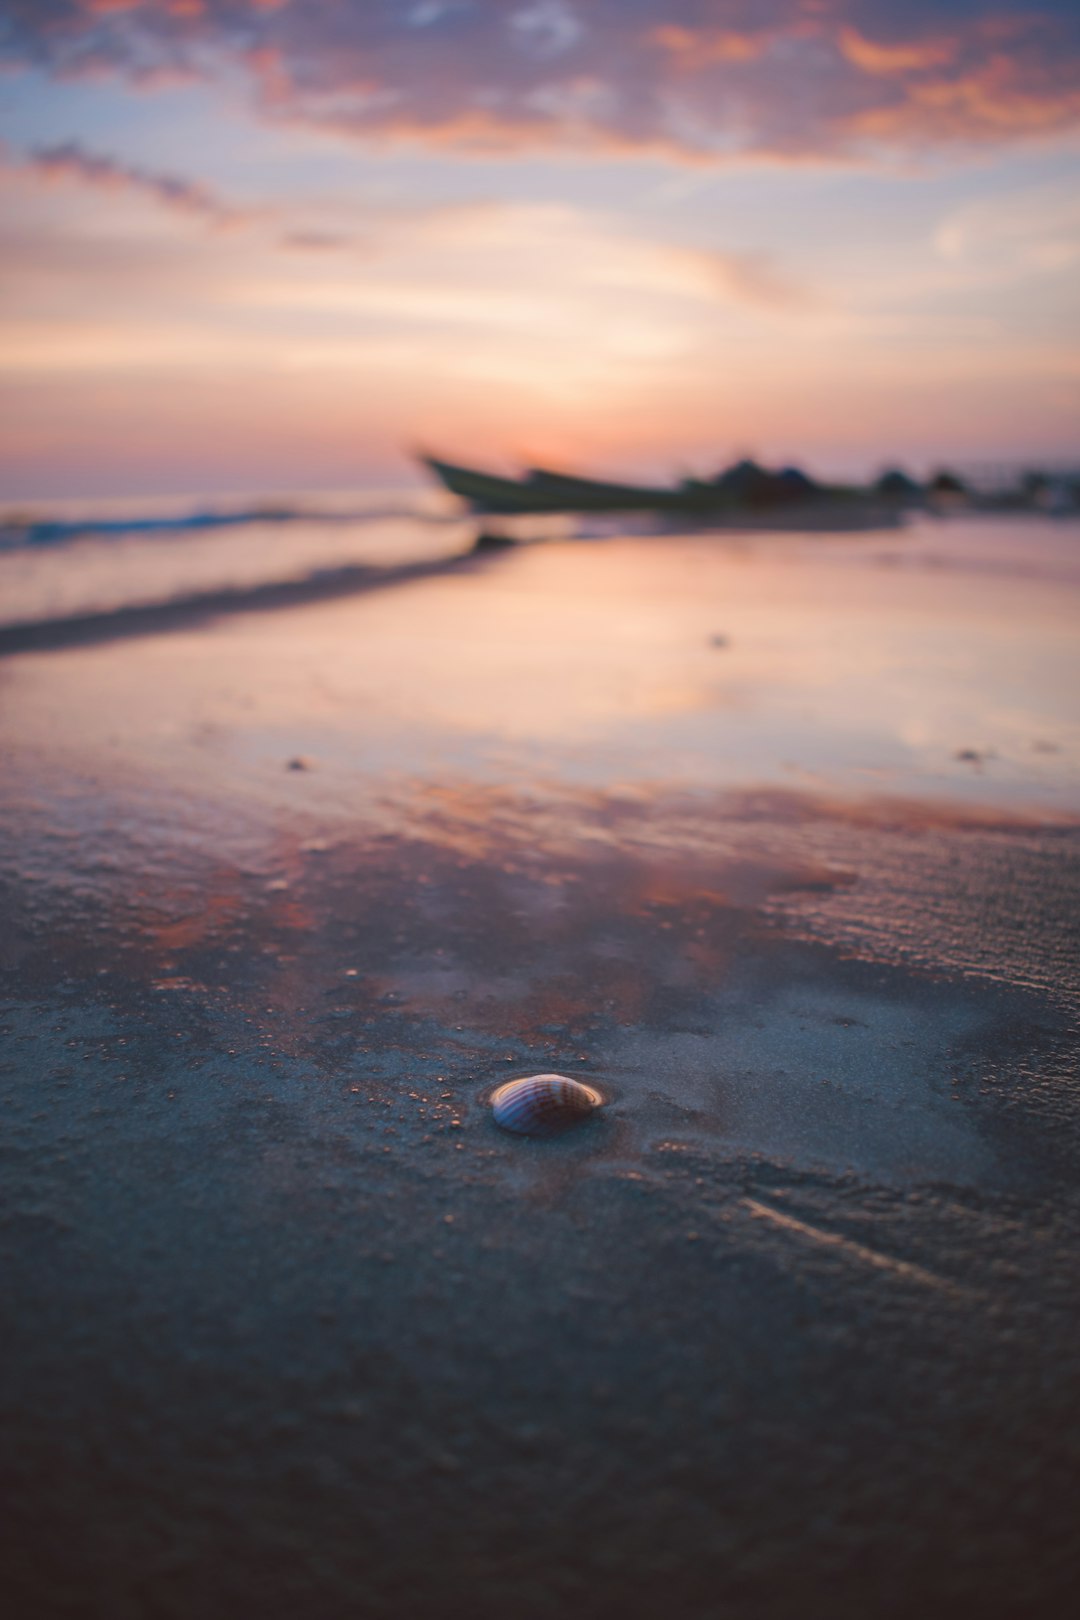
(545, 491)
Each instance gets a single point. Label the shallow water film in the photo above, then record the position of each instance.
(774, 840)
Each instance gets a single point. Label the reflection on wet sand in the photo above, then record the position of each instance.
(597, 664)
(698, 956)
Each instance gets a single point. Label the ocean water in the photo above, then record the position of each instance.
(66, 559)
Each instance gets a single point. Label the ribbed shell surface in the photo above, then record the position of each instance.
(543, 1104)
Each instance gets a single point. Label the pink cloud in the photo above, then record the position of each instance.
(701, 78)
(71, 161)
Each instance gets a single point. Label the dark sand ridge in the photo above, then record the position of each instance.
(191, 612)
(789, 1329)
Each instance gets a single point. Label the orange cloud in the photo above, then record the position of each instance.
(715, 45)
(909, 58)
(989, 102)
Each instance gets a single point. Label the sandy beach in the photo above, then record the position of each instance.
(775, 840)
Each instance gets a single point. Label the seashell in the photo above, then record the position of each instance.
(543, 1104)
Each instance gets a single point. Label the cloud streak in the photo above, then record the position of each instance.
(702, 79)
(71, 161)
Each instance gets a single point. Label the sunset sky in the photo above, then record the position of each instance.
(271, 244)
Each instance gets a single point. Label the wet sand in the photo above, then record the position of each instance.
(776, 841)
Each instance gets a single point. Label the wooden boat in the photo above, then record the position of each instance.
(741, 488)
(544, 491)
